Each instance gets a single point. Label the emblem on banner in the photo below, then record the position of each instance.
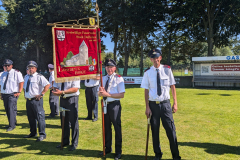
(91, 68)
(92, 21)
(60, 35)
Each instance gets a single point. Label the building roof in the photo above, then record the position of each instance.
(215, 59)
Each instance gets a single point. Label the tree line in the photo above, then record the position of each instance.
(182, 29)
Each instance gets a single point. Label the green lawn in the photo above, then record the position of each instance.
(207, 123)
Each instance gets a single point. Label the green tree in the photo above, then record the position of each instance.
(211, 21)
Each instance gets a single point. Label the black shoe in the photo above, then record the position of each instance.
(41, 138)
(87, 118)
(157, 158)
(95, 119)
(30, 135)
(72, 148)
(178, 158)
(106, 152)
(10, 129)
(59, 146)
(117, 156)
(6, 127)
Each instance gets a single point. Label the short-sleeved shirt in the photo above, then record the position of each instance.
(149, 82)
(14, 78)
(51, 78)
(115, 85)
(91, 83)
(36, 86)
(67, 85)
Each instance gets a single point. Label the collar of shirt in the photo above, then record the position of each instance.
(34, 74)
(111, 75)
(157, 68)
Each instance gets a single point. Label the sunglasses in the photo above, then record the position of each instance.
(7, 65)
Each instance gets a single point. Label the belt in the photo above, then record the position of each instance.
(113, 102)
(30, 99)
(66, 97)
(158, 102)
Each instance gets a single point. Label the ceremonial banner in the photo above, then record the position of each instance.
(75, 54)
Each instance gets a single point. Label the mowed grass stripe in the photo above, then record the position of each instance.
(207, 125)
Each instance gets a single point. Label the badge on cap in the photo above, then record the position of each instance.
(31, 63)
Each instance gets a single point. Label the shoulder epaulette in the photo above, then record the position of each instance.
(166, 66)
(16, 70)
(147, 69)
(117, 75)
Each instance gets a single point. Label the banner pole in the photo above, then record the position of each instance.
(100, 60)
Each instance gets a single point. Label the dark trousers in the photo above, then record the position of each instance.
(163, 111)
(10, 105)
(35, 112)
(113, 116)
(91, 94)
(53, 101)
(71, 119)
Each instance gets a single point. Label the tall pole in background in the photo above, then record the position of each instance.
(100, 62)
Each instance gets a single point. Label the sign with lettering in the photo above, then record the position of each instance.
(221, 69)
(75, 53)
(132, 80)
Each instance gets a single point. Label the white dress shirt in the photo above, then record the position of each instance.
(51, 78)
(116, 85)
(67, 85)
(91, 83)
(149, 82)
(15, 77)
(37, 84)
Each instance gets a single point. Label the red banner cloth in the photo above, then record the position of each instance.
(75, 53)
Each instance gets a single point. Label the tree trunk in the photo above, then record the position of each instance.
(141, 61)
(115, 43)
(169, 49)
(125, 50)
(37, 47)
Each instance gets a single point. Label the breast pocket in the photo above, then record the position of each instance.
(34, 84)
(165, 81)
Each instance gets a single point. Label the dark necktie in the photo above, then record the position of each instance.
(158, 83)
(87, 80)
(28, 83)
(5, 83)
(106, 87)
(62, 87)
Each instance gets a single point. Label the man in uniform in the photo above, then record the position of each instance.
(112, 91)
(35, 86)
(53, 100)
(69, 94)
(157, 82)
(11, 87)
(91, 94)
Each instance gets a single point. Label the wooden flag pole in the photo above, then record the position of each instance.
(100, 60)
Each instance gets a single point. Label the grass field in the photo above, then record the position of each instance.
(207, 123)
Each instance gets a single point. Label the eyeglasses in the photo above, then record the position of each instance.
(7, 65)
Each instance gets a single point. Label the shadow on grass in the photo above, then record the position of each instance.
(214, 148)
(26, 125)
(225, 94)
(49, 148)
(203, 94)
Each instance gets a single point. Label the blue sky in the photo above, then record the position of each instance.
(109, 45)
